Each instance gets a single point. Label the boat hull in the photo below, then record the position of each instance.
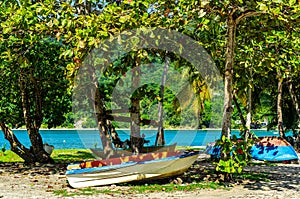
(131, 171)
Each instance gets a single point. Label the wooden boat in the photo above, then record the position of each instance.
(129, 168)
(98, 153)
(273, 149)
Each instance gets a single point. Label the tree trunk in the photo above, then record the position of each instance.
(296, 105)
(136, 140)
(100, 111)
(239, 111)
(118, 143)
(279, 104)
(135, 136)
(246, 130)
(230, 43)
(160, 138)
(33, 123)
(293, 95)
(229, 62)
(15, 144)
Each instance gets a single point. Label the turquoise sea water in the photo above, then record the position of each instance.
(74, 139)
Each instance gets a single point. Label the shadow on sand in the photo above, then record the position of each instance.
(283, 176)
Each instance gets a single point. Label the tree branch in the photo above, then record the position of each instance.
(248, 13)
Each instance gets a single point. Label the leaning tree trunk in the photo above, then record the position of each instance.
(38, 154)
(243, 121)
(279, 104)
(118, 143)
(160, 138)
(102, 124)
(101, 114)
(15, 144)
(136, 140)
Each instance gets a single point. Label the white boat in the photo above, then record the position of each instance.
(130, 170)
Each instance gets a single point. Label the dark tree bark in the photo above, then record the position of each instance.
(15, 145)
(102, 124)
(227, 111)
(160, 138)
(135, 137)
(118, 143)
(293, 95)
(239, 111)
(296, 104)
(36, 153)
(232, 23)
(279, 104)
(245, 128)
(101, 116)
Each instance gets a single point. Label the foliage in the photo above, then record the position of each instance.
(33, 87)
(45, 43)
(234, 153)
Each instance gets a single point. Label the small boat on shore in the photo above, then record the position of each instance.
(269, 148)
(273, 149)
(129, 168)
(98, 153)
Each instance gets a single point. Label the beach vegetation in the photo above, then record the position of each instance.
(254, 44)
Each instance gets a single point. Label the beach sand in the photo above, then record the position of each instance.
(18, 181)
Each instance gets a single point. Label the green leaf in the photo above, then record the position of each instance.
(240, 169)
(223, 138)
(263, 7)
(295, 16)
(122, 19)
(145, 15)
(292, 2)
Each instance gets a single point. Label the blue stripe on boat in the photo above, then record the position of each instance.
(103, 168)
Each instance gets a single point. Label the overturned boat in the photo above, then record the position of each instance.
(269, 148)
(273, 149)
(129, 168)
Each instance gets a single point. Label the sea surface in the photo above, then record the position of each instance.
(79, 139)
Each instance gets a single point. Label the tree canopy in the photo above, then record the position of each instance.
(43, 44)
